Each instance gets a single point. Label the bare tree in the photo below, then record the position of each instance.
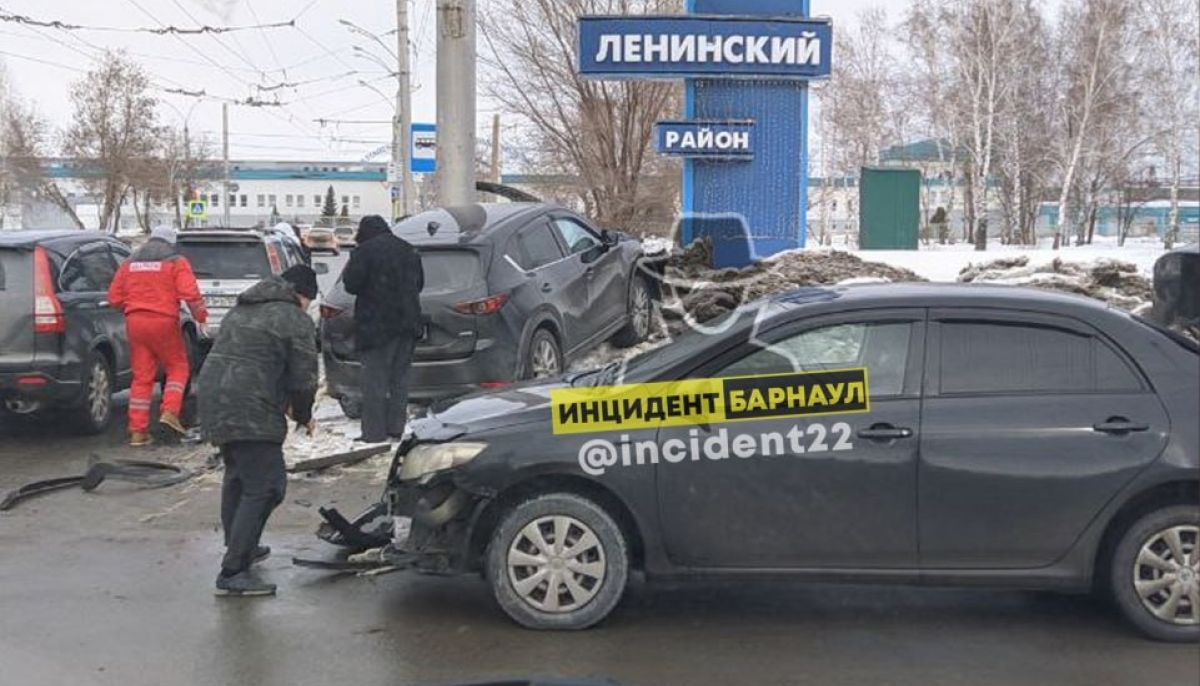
(1168, 33)
(115, 129)
(1094, 49)
(855, 101)
(597, 131)
(23, 140)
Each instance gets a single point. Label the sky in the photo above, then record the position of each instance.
(313, 68)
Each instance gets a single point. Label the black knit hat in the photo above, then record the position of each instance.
(303, 280)
(371, 226)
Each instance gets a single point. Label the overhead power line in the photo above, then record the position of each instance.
(162, 30)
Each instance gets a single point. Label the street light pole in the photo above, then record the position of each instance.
(402, 121)
(225, 158)
(456, 102)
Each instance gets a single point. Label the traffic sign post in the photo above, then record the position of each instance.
(744, 138)
(197, 209)
(423, 140)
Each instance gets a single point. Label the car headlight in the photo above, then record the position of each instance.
(427, 458)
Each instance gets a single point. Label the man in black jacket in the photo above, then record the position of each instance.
(385, 273)
(262, 369)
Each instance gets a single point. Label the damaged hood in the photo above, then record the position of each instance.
(524, 403)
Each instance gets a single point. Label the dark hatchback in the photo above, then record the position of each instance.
(1014, 438)
(61, 346)
(512, 291)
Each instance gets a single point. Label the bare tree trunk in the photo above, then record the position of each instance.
(1172, 230)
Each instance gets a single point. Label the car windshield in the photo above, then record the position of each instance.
(226, 259)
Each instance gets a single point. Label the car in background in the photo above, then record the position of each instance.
(345, 236)
(512, 291)
(62, 347)
(226, 262)
(1007, 437)
(321, 239)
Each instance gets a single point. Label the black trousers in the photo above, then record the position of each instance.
(385, 388)
(255, 483)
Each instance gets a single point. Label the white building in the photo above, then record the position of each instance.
(295, 190)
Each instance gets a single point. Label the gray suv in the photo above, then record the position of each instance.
(512, 291)
(61, 346)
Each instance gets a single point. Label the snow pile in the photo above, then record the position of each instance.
(1113, 281)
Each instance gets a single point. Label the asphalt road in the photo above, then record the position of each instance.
(115, 587)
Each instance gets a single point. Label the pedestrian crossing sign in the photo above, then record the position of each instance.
(197, 209)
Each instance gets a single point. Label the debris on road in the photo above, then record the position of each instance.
(342, 458)
(141, 472)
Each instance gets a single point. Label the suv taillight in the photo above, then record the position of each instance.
(47, 310)
(273, 258)
(488, 305)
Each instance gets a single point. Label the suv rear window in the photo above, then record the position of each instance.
(448, 271)
(227, 259)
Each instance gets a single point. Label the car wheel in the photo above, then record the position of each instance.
(1155, 574)
(351, 407)
(543, 359)
(94, 414)
(641, 311)
(558, 561)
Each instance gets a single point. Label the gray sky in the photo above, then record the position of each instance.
(317, 54)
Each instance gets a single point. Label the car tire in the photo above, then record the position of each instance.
(1145, 560)
(351, 407)
(543, 358)
(603, 553)
(95, 411)
(640, 309)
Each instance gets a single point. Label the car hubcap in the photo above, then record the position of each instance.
(98, 393)
(556, 564)
(641, 311)
(545, 359)
(1166, 575)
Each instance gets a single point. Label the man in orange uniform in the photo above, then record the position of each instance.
(148, 288)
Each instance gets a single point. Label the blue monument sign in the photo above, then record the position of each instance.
(705, 139)
(741, 62)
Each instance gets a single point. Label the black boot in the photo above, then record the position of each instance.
(243, 584)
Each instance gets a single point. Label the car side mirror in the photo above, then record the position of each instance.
(608, 238)
(320, 268)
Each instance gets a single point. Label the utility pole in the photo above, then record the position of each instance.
(225, 156)
(495, 148)
(456, 101)
(402, 121)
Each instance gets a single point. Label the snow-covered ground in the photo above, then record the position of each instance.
(944, 262)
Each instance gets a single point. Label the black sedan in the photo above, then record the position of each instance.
(1006, 437)
(512, 291)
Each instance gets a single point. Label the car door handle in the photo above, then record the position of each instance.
(1119, 426)
(884, 432)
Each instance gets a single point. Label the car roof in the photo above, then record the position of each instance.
(466, 224)
(939, 295)
(27, 238)
(219, 234)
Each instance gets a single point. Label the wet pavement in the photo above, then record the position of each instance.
(114, 587)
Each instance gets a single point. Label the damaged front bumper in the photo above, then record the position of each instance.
(424, 524)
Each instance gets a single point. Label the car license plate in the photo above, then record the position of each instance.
(220, 300)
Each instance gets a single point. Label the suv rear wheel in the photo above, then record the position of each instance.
(95, 412)
(1155, 573)
(543, 359)
(557, 561)
(640, 310)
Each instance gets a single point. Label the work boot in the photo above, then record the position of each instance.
(261, 553)
(171, 421)
(243, 584)
(139, 439)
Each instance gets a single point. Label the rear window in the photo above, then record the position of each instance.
(447, 271)
(226, 259)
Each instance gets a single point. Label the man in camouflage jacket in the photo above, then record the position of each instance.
(261, 370)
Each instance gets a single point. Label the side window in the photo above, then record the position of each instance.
(576, 236)
(1002, 357)
(1112, 372)
(90, 269)
(880, 347)
(537, 247)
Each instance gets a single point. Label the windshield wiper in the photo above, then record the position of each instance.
(600, 375)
